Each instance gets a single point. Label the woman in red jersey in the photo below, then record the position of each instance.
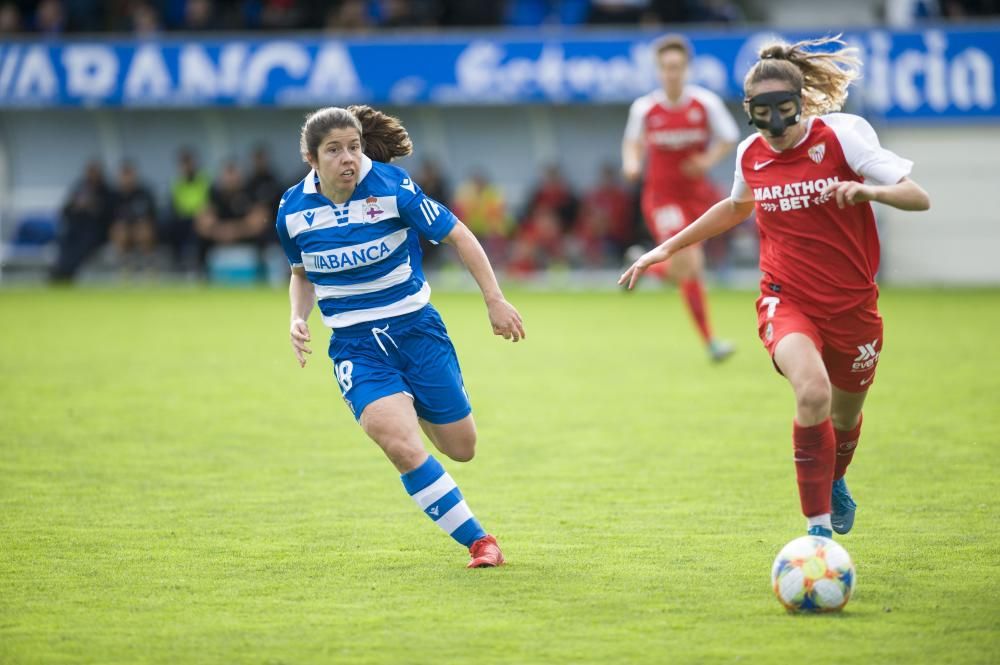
(682, 131)
(810, 174)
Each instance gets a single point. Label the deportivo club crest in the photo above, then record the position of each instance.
(371, 209)
(817, 152)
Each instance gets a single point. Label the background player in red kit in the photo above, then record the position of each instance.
(683, 131)
(810, 178)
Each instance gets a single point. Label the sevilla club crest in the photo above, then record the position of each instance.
(817, 152)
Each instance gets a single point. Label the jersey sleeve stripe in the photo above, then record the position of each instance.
(430, 209)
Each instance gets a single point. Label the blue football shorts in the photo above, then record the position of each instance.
(409, 354)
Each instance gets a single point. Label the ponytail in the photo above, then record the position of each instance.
(384, 136)
(821, 77)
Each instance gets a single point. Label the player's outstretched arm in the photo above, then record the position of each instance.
(504, 318)
(632, 159)
(302, 295)
(721, 217)
(905, 194)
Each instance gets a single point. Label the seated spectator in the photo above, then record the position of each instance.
(538, 243)
(613, 202)
(278, 14)
(142, 19)
(50, 18)
(231, 217)
(188, 196)
(590, 244)
(349, 15)
(133, 229)
(481, 205)
(263, 185)
(555, 193)
(83, 229)
(10, 19)
(200, 16)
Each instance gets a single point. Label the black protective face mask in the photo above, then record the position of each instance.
(776, 124)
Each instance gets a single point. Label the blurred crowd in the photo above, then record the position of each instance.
(122, 220)
(556, 227)
(149, 17)
(123, 216)
(145, 17)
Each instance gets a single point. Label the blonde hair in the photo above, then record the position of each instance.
(821, 77)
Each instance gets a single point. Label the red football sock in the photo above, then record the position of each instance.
(847, 443)
(694, 296)
(815, 451)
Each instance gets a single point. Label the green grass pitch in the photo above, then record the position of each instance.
(174, 489)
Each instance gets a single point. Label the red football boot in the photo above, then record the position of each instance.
(485, 553)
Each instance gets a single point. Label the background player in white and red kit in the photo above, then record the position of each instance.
(682, 131)
(810, 178)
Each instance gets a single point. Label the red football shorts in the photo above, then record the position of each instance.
(850, 343)
(666, 218)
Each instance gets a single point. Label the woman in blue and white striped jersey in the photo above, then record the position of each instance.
(349, 231)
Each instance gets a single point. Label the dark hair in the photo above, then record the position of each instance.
(672, 42)
(320, 123)
(822, 78)
(384, 135)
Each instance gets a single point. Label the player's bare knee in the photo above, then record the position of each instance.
(395, 440)
(401, 451)
(461, 455)
(460, 446)
(464, 451)
(814, 397)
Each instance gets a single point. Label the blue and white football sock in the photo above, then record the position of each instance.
(438, 496)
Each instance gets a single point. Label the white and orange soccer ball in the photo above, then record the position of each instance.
(813, 574)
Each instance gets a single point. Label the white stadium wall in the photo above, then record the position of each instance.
(958, 240)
